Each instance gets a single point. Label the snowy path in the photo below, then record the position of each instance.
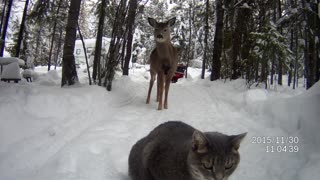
(86, 133)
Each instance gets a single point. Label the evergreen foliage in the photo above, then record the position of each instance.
(258, 40)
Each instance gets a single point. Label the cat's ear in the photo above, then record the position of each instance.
(236, 140)
(199, 142)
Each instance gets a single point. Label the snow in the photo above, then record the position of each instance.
(11, 71)
(245, 6)
(8, 60)
(85, 132)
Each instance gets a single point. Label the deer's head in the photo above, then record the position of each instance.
(162, 29)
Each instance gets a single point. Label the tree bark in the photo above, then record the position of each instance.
(2, 14)
(205, 41)
(280, 67)
(69, 72)
(85, 53)
(58, 49)
(97, 52)
(133, 4)
(240, 44)
(115, 44)
(5, 27)
(218, 39)
(53, 35)
(22, 25)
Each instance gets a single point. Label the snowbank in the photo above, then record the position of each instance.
(11, 71)
(85, 132)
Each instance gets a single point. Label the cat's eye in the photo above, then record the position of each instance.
(207, 164)
(228, 165)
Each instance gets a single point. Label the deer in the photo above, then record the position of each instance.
(163, 61)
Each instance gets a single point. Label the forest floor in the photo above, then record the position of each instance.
(86, 133)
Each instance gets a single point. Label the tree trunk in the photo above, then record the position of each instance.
(97, 52)
(291, 63)
(205, 41)
(115, 44)
(133, 4)
(295, 74)
(318, 63)
(2, 14)
(69, 71)
(85, 53)
(22, 25)
(190, 52)
(5, 27)
(280, 67)
(218, 39)
(311, 63)
(58, 50)
(240, 43)
(53, 34)
(272, 72)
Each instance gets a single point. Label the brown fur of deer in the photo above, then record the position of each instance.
(163, 61)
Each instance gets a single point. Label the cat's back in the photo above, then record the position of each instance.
(172, 130)
(170, 133)
(168, 141)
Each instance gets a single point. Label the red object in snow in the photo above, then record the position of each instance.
(179, 73)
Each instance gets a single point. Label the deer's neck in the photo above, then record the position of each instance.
(164, 49)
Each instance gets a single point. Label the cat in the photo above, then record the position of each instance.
(176, 151)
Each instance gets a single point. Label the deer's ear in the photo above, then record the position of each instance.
(172, 21)
(152, 22)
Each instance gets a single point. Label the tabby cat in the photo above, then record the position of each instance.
(177, 151)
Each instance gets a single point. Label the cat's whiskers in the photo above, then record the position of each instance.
(197, 174)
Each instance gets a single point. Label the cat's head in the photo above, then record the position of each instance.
(214, 156)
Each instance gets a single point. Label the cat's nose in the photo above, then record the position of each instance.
(219, 176)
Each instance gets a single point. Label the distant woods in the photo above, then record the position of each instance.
(260, 41)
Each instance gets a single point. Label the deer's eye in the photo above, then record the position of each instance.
(165, 30)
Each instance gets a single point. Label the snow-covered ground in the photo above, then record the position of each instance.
(86, 133)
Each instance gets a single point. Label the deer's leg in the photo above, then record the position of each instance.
(160, 89)
(167, 87)
(150, 87)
